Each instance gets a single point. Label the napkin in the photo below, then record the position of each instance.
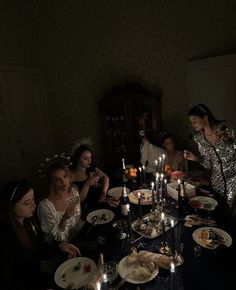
(194, 220)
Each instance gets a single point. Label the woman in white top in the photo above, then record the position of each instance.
(60, 212)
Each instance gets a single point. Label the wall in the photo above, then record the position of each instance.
(89, 46)
(86, 47)
(19, 45)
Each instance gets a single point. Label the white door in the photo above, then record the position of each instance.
(28, 118)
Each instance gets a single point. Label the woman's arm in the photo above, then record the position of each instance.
(105, 184)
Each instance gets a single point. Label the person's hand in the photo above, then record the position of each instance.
(71, 249)
(93, 180)
(190, 156)
(70, 211)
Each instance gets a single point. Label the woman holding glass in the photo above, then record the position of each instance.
(92, 182)
(60, 212)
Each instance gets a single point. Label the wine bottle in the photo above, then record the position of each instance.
(124, 202)
(183, 202)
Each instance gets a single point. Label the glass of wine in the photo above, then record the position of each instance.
(110, 272)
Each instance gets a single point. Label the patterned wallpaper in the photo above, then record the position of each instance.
(86, 47)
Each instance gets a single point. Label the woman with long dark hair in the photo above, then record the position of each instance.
(22, 247)
(217, 147)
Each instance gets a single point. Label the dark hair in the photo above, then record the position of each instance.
(10, 194)
(76, 156)
(202, 110)
(164, 136)
(14, 191)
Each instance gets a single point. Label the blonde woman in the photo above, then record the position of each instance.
(60, 212)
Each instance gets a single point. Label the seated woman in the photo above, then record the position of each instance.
(22, 247)
(92, 182)
(60, 212)
(174, 159)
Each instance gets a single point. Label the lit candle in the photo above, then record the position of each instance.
(172, 224)
(156, 166)
(157, 187)
(139, 205)
(172, 275)
(165, 190)
(159, 165)
(129, 221)
(144, 174)
(153, 197)
(140, 177)
(163, 222)
(163, 163)
(104, 276)
(123, 163)
(98, 286)
(161, 187)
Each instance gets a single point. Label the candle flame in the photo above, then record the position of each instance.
(172, 267)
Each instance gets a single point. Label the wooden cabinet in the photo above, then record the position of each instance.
(127, 110)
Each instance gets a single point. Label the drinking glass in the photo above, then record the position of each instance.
(110, 272)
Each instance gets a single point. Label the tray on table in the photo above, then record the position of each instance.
(150, 225)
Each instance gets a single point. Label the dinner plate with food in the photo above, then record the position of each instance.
(134, 270)
(75, 273)
(100, 216)
(203, 202)
(116, 192)
(211, 237)
(145, 196)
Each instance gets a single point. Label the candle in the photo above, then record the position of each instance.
(98, 286)
(159, 165)
(163, 222)
(156, 166)
(157, 187)
(123, 163)
(139, 205)
(153, 197)
(172, 275)
(172, 224)
(144, 174)
(161, 187)
(165, 189)
(129, 216)
(104, 276)
(140, 177)
(163, 163)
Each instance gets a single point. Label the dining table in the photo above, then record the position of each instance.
(201, 267)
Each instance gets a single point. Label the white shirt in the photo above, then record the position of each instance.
(150, 153)
(50, 219)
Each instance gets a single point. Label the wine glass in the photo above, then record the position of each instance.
(209, 207)
(110, 272)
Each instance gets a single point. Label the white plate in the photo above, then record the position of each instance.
(146, 196)
(104, 216)
(68, 278)
(203, 202)
(205, 243)
(125, 270)
(116, 191)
